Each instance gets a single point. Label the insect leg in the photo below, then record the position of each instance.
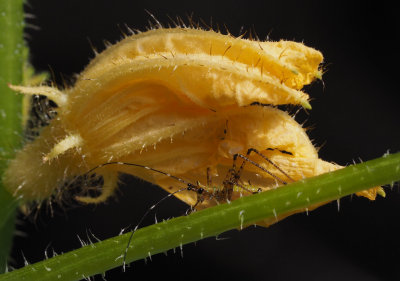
(246, 159)
(189, 187)
(200, 191)
(269, 161)
(245, 188)
(209, 179)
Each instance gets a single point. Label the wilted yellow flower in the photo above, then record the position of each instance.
(177, 100)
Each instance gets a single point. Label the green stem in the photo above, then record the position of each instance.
(99, 257)
(11, 61)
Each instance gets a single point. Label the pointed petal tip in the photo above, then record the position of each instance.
(306, 105)
(381, 192)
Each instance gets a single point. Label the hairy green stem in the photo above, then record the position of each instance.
(98, 257)
(11, 61)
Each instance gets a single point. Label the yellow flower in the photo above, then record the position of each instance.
(177, 100)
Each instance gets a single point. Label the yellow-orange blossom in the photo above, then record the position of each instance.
(177, 100)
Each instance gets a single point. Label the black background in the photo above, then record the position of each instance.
(354, 117)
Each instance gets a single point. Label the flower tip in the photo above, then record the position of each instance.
(306, 105)
(381, 192)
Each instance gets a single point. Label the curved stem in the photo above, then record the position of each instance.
(11, 59)
(102, 256)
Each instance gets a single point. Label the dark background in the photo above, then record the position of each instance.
(354, 117)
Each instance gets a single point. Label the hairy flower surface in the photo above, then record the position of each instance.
(178, 100)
